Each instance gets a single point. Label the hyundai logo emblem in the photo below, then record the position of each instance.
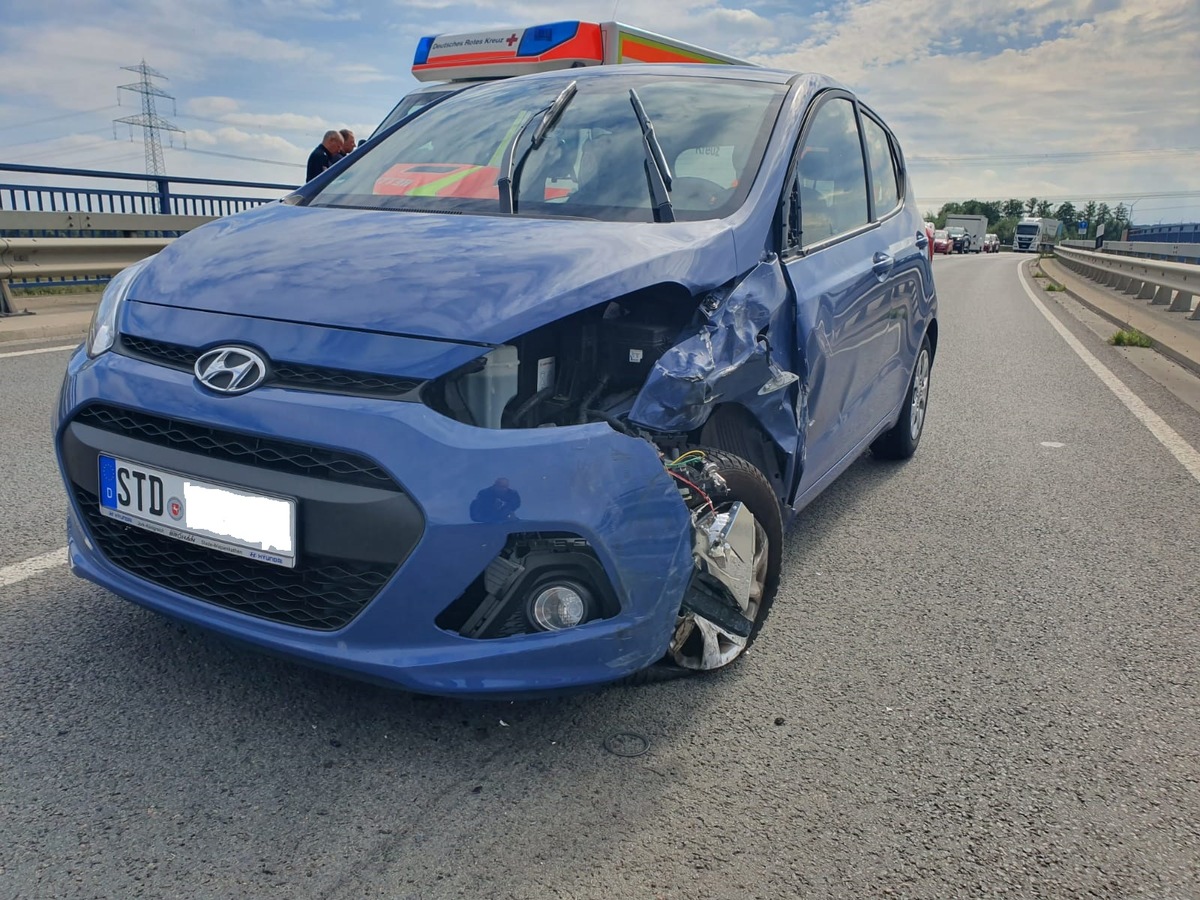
(230, 370)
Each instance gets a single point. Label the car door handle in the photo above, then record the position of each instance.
(922, 240)
(881, 264)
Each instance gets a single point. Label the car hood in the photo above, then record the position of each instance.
(465, 278)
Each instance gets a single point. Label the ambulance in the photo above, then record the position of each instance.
(449, 62)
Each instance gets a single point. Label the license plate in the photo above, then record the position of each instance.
(198, 512)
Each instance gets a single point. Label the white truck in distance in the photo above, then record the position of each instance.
(1033, 234)
(975, 226)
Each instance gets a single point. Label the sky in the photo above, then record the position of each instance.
(1056, 99)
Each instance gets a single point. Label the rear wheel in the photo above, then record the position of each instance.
(901, 440)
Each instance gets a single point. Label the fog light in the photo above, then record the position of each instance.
(559, 606)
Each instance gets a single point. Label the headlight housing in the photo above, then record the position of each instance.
(103, 331)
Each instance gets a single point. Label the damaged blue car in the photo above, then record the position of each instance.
(521, 396)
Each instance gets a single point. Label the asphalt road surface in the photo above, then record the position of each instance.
(979, 680)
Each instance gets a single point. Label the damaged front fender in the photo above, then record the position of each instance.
(742, 350)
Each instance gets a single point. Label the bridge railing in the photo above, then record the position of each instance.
(1160, 282)
(164, 199)
(106, 205)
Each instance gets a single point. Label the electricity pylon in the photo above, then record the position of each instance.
(151, 123)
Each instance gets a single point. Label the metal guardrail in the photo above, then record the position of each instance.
(40, 257)
(76, 224)
(1187, 253)
(47, 225)
(160, 201)
(1162, 283)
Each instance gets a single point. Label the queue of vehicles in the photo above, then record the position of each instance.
(968, 232)
(965, 234)
(580, 374)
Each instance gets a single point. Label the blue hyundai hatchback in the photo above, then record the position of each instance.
(520, 397)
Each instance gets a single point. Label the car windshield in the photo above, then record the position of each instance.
(955, 231)
(939, 234)
(592, 163)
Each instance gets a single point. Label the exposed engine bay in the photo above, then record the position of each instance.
(586, 367)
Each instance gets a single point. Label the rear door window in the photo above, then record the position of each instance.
(884, 186)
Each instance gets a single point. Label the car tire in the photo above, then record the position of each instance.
(901, 440)
(747, 484)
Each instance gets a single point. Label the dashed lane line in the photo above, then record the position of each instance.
(42, 350)
(35, 565)
(1165, 434)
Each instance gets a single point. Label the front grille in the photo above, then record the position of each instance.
(283, 374)
(174, 355)
(267, 453)
(339, 381)
(321, 593)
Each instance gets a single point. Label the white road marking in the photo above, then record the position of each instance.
(35, 565)
(1164, 433)
(43, 350)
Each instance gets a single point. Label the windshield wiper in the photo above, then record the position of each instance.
(657, 168)
(510, 173)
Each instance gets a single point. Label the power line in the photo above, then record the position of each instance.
(82, 112)
(38, 153)
(306, 129)
(258, 159)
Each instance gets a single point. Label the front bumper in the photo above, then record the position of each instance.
(417, 534)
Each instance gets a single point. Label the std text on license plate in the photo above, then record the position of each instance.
(208, 515)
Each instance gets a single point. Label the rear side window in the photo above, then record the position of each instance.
(883, 167)
(832, 180)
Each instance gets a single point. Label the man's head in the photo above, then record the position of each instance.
(332, 141)
(348, 142)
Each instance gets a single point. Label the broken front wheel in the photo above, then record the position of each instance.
(738, 544)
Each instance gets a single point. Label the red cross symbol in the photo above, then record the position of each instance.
(512, 40)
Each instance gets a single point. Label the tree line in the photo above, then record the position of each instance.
(1003, 215)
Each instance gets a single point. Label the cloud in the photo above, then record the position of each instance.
(315, 10)
(227, 111)
(1079, 83)
(360, 73)
(1046, 77)
(240, 141)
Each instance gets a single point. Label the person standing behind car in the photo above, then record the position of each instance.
(325, 155)
(348, 142)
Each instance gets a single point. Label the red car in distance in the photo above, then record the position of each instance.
(942, 242)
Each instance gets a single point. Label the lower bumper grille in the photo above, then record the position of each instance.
(269, 453)
(321, 593)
